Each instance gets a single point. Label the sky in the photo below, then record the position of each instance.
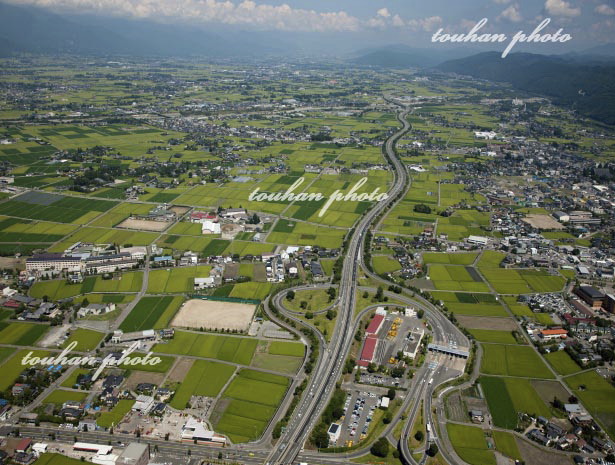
(589, 22)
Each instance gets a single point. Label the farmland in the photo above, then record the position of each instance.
(456, 278)
(510, 360)
(23, 334)
(205, 378)
(12, 367)
(249, 401)
(86, 339)
(227, 348)
(486, 335)
(175, 280)
(60, 289)
(151, 313)
(470, 443)
(562, 362)
(60, 396)
(56, 459)
(115, 415)
(596, 394)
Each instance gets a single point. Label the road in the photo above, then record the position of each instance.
(322, 383)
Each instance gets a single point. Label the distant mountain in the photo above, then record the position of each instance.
(403, 56)
(36, 30)
(588, 87)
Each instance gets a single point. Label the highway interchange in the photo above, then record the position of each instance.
(322, 382)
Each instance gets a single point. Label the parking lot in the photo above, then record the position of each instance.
(359, 409)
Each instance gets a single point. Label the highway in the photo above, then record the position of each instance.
(325, 376)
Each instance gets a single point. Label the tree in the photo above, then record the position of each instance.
(558, 404)
(419, 436)
(290, 295)
(372, 367)
(420, 313)
(388, 417)
(379, 293)
(380, 448)
(331, 314)
(391, 393)
(303, 304)
(309, 315)
(432, 450)
(422, 208)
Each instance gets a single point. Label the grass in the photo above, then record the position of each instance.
(507, 444)
(596, 394)
(87, 339)
(205, 378)
(293, 349)
(56, 459)
(228, 348)
(317, 299)
(509, 360)
(449, 258)
(470, 444)
(152, 313)
(281, 363)
(175, 280)
(72, 378)
(562, 362)
(383, 264)
(60, 396)
(22, 334)
(254, 397)
(166, 362)
(12, 367)
(251, 290)
(115, 415)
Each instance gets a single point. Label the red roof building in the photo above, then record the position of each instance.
(369, 349)
(375, 324)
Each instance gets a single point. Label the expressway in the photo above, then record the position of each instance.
(325, 376)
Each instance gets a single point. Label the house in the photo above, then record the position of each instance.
(143, 404)
(113, 381)
(95, 309)
(477, 416)
(18, 389)
(537, 436)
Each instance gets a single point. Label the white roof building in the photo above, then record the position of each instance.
(209, 227)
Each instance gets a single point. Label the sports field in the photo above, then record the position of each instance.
(212, 314)
(248, 403)
(86, 339)
(513, 360)
(151, 313)
(205, 378)
(22, 334)
(228, 348)
(470, 444)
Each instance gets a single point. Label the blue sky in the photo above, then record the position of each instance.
(590, 22)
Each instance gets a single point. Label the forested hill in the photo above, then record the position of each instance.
(588, 86)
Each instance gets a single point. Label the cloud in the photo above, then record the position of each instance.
(561, 8)
(384, 12)
(605, 10)
(244, 13)
(426, 24)
(397, 21)
(511, 14)
(502, 2)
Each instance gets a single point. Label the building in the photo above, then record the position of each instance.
(110, 263)
(377, 321)
(591, 295)
(143, 404)
(334, 432)
(99, 449)
(384, 402)
(368, 351)
(55, 262)
(477, 240)
(549, 334)
(120, 337)
(209, 227)
(96, 309)
(134, 454)
(609, 303)
(411, 347)
(562, 217)
(203, 283)
(195, 430)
